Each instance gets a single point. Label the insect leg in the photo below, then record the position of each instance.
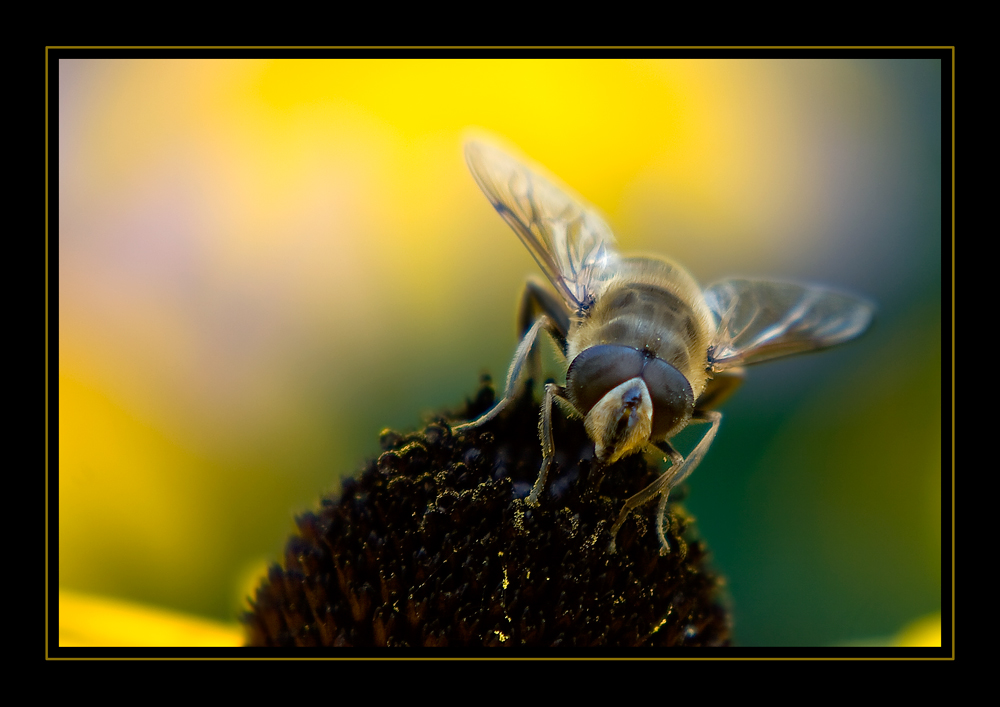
(672, 454)
(698, 453)
(660, 487)
(514, 374)
(598, 469)
(552, 391)
(720, 386)
(679, 470)
(537, 299)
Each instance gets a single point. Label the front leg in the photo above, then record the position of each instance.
(552, 392)
(679, 470)
(598, 469)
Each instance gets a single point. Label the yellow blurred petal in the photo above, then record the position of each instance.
(101, 622)
(924, 632)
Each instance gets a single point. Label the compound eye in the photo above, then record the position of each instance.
(599, 369)
(673, 400)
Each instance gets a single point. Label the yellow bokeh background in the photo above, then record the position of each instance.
(262, 263)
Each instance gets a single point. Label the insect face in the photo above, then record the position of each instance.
(627, 396)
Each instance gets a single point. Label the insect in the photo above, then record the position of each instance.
(648, 351)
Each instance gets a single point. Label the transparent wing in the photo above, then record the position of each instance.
(571, 243)
(763, 319)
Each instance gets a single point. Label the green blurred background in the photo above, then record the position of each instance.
(264, 263)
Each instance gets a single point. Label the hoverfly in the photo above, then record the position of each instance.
(648, 351)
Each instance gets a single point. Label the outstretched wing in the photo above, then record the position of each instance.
(763, 319)
(571, 243)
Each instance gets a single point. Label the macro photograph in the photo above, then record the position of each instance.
(431, 353)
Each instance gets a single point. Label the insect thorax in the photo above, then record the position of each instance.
(651, 317)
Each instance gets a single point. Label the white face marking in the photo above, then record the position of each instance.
(621, 422)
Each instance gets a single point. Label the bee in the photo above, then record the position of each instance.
(647, 351)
